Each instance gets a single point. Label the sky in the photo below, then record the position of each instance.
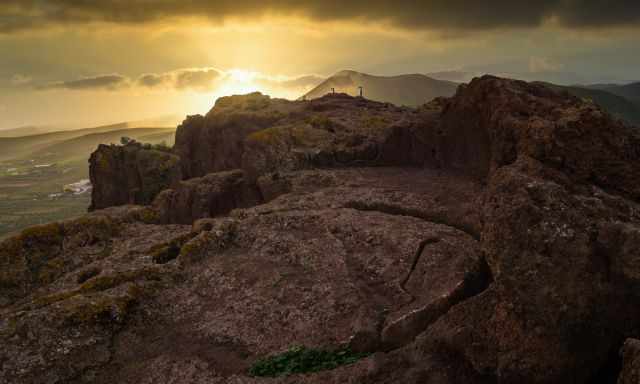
(81, 63)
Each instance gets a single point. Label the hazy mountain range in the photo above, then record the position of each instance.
(622, 101)
(160, 121)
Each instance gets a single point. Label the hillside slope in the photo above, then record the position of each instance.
(618, 106)
(628, 91)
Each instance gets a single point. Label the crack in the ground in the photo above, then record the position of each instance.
(414, 263)
(400, 211)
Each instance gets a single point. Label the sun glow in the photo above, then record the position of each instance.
(241, 82)
(241, 75)
(234, 82)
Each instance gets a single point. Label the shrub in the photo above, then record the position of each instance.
(304, 360)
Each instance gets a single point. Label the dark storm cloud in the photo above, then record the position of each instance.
(108, 82)
(412, 14)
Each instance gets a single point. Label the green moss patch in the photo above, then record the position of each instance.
(304, 360)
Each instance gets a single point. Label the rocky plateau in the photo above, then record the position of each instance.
(490, 237)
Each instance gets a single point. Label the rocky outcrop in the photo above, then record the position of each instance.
(491, 123)
(262, 135)
(130, 174)
(630, 353)
(559, 174)
(212, 195)
(487, 238)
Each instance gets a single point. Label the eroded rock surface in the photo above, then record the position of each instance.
(212, 195)
(487, 238)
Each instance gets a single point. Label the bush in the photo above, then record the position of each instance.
(162, 146)
(124, 140)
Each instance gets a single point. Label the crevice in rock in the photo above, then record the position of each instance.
(405, 329)
(400, 211)
(414, 263)
(170, 253)
(88, 274)
(610, 370)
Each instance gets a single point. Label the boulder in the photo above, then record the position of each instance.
(130, 174)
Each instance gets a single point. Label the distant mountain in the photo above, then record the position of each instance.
(14, 147)
(30, 130)
(409, 90)
(455, 76)
(165, 121)
(18, 147)
(617, 105)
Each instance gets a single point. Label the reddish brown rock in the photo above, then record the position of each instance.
(261, 135)
(493, 121)
(130, 174)
(487, 238)
(563, 275)
(209, 196)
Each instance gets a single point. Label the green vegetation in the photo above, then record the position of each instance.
(35, 169)
(304, 360)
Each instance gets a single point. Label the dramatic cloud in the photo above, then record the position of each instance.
(543, 64)
(107, 82)
(201, 79)
(19, 79)
(196, 79)
(427, 14)
(188, 79)
(152, 80)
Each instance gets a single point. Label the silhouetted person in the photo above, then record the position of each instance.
(360, 88)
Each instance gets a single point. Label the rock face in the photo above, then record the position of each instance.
(262, 135)
(130, 174)
(208, 196)
(488, 238)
